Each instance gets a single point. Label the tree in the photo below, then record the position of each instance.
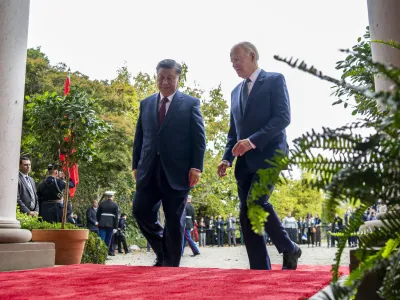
(65, 125)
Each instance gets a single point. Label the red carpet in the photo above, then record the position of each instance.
(147, 283)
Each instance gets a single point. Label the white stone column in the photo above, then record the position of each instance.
(384, 24)
(14, 19)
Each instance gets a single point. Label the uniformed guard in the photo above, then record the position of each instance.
(50, 193)
(107, 216)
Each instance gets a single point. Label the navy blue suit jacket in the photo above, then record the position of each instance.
(180, 142)
(265, 117)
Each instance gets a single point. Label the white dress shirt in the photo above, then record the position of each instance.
(170, 97)
(253, 78)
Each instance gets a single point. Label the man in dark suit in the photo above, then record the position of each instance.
(260, 112)
(91, 217)
(27, 198)
(107, 216)
(50, 194)
(168, 155)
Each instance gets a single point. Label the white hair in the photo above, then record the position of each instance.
(248, 47)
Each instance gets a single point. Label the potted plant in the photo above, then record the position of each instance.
(362, 167)
(67, 129)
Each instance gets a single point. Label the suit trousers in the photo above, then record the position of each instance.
(122, 242)
(105, 234)
(255, 244)
(202, 239)
(220, 237)
(189, 240)
(231, 237)
(166, 242)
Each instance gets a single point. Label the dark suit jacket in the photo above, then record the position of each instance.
(91, 219)
(189, 214)
(23, 195)
(265, 117)
(180, 142)
(107, 214)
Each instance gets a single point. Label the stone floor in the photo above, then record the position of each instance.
(231, 257)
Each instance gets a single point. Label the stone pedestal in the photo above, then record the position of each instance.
(15, 251)
(23, 256)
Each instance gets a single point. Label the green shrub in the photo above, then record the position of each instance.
(95, 250)
(29, 222)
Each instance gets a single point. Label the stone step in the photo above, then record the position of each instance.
(24, 256)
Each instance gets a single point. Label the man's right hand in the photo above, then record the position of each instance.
(134, 174)
(222, 168)
(32, 213)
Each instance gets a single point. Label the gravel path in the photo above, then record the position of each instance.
(230, 257)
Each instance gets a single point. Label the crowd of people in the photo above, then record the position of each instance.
(47, 202)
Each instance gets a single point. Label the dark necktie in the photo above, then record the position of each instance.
(30, 192)
(245, 94)
(162, 111)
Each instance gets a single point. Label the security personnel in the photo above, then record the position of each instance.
(121, 234)
(107, 216)
(189, 214)
(50, 193)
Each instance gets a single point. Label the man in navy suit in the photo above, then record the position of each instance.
(168, 155)
(260, 112)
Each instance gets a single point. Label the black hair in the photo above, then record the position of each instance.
(169, 64)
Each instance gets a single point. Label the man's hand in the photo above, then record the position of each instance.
(241, 148)
(222, 168)
(97, 224)
(32, 213)
(194, 177)
(134, 174)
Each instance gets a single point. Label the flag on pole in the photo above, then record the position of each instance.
(73, 170)
(73, 174)
(67, 85)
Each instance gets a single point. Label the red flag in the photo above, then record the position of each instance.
(73, 170)
(67, 84)
(73, 175)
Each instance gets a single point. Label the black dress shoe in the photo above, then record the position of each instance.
(111, 254)
(290, 259)
(158, 263)
(195, 254)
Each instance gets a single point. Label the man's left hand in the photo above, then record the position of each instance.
(241, 148)
(194, 177)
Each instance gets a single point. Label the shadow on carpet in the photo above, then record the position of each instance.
(90, 281)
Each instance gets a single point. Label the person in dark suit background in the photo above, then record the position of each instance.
(168, 156)
(27, 198)
(50, 194)
(120, 235)
(91, 217)
(107, 216)
(260, 112)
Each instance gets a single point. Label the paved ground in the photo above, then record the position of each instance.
(231, 257)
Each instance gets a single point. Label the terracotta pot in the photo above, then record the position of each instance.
(69, 243)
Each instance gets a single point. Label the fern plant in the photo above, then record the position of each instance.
(359, 161)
